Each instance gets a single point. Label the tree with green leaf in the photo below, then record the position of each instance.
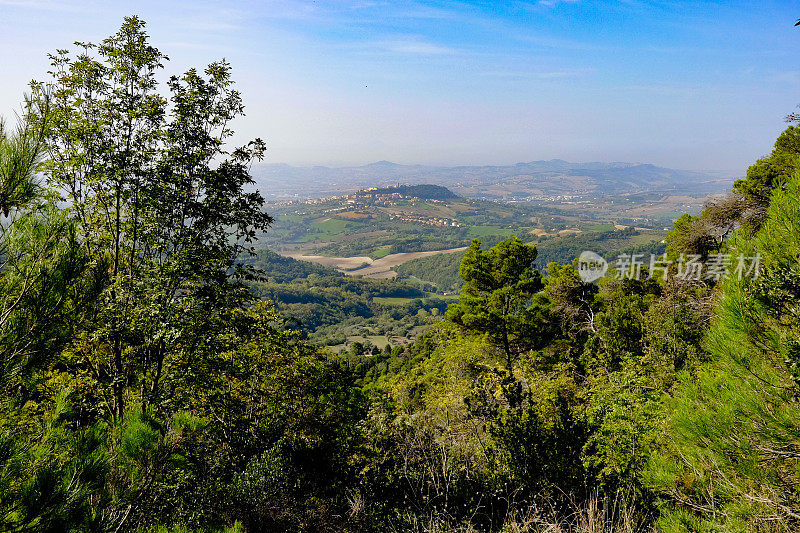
(772, 171)
(499, 296)
(729, 459)
(20, 153)
(40, 260)
(160, 207)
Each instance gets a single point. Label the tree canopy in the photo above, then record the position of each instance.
(499, 284)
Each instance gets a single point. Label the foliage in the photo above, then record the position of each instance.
(441, 270)
(279, 269)
(773, 171)
(158, 221)
(496, 298)
(730, 460)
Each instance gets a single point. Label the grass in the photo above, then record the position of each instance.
(381, 252)
(377, 340)
(672, 214)
(596, 515)
(453, 297)
(484, 231)
(332, 226)
(646, 238)
(389, 300)
(352, 215)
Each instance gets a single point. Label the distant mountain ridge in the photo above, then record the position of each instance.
(532, 179)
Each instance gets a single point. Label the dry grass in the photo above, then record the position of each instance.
(352, 215)
(596, 515)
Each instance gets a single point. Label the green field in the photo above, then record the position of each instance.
(383, 251)
(388, 300)
(331, 228)
(646, 238)
(290, 218)
(483, 231)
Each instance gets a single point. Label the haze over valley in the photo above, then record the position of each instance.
(536, 180)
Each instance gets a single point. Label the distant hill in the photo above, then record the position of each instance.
(426, 191)
(531, 180)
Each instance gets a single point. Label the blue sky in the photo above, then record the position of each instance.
(683, 84)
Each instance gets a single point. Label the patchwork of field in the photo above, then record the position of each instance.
(380, 268)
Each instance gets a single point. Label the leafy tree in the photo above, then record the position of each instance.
(690, 236)
(571, 299)
(708, 233)
(160, 207)
(20, 153)
(745, 207)
(674, 328)
(39, 257)
(498, 293)
(772, 171)
(427, 453)
(536, 435)
(270, 437)
(439, 269)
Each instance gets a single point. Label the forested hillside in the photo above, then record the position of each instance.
(149, 384)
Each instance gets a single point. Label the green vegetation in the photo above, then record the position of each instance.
(391, 300)
(496, 298)
(742, 405)
(326, 229)
(441, 270)
(329, 307)
(481, 232)
(375, 222)
(279, 269)
(599, 227)
(381, 252)
(158, 373)
(608, 244)
(336, 311)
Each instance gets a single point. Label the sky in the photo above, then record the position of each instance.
(682, 84)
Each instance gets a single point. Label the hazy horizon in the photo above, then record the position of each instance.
(680, 84)
(358, 164)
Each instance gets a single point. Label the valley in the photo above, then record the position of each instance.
(368, 267)
(402, 248)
